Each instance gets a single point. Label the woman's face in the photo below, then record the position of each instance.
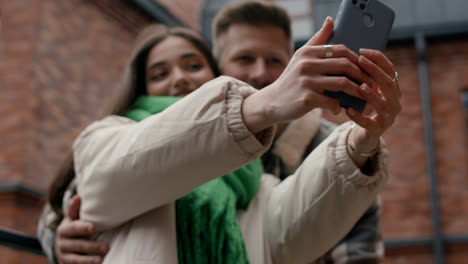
(175, 67)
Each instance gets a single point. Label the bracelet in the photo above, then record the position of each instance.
(357, 152)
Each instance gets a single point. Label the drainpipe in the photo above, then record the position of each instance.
(437, 243)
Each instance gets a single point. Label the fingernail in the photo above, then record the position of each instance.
(325, 21)
(351, 112)
(363, 50)
(365, 88)
(363, 59)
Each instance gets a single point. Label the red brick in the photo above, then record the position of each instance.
(60, 61)
(418, 255)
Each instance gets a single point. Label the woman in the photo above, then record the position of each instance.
(144, 169)
(145, 74)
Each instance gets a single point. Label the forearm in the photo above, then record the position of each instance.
(311, 211)
(257, 113)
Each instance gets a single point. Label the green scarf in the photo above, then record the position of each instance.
(207, 227)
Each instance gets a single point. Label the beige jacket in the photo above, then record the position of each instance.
(129, 175)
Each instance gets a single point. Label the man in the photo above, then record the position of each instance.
(252, 42)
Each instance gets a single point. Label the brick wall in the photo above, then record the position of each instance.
(187, 11)
(407, 210)
(19, 211)
(60, 60)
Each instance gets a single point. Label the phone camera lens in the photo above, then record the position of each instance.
(362, 6)
(354, 2)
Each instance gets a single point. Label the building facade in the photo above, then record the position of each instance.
(62, 59)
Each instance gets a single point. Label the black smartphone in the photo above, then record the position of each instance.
(361, 24)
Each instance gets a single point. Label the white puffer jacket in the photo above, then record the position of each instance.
(130, 174)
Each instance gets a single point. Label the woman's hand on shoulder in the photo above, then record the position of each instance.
(72, 242)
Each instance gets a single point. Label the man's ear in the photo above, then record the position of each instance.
(322, 36)
(217, 44)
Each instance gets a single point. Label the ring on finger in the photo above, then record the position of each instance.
(328, 51)
(385, 115)
(395, 79)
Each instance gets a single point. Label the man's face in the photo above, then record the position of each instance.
(256, 55)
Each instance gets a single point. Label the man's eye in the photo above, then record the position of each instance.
(245, 58)
(274, 60)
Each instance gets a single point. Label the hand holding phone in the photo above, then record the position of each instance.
(360, 24)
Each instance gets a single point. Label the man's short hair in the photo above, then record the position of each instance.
(254, 13)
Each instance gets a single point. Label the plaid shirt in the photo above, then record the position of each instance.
(46, 234)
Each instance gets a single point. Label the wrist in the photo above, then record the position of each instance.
(362, 144)
(363, 154)
(365, 150)
(255, 113)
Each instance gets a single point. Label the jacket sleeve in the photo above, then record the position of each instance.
(45, 234)
(125, 168)
(363, 244)
(310, 211)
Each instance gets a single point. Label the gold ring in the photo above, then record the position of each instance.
(395, 79)
(328, 51)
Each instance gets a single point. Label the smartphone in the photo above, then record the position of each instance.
(361, 24)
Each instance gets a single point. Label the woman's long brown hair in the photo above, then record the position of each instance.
(132, 85)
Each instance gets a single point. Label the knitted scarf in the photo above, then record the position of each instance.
(207, 227)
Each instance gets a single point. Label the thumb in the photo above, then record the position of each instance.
(73, 209)
(322, 36)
